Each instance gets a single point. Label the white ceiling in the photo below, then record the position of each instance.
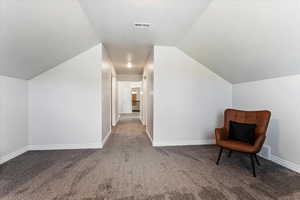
(114, 22)
(241, 40)
(135, 54)
(244, 40)
(37, 35)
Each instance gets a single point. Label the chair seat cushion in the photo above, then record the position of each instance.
(242, 132)
(237, 146)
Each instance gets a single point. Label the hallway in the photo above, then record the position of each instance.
(129, 168)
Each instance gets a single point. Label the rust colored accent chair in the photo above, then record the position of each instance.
(260, 118)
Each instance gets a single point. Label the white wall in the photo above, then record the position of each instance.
(114, 100)
(282, 97)
(129, 77)
(124, 97)
(143, 103)
(108, 72)
(65, 104)
(13, 117)
(189, 99)
(147, 85)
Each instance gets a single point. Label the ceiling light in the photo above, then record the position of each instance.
(129, 57)
(129, 65)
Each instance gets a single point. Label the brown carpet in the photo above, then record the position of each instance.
(129, 168)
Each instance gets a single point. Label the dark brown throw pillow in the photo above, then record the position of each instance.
(242, 132)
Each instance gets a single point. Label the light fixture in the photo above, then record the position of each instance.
(129, 57)
(129, 65)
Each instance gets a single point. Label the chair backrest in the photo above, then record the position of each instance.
(260, 118)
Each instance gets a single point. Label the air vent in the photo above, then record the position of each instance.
(265, 152)
(142, 25)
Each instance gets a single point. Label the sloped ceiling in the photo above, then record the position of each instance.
(37, 35)
(114, 23)
(240, 40)
(122, 54)
(247, 40)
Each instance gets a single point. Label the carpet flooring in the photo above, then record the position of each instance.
(129, 168)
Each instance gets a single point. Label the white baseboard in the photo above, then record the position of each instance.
(143, 121)
(288, 164)
(12, 155)
(285, 163)
(183, 142)
(115, 122)
(105, 139)
(18, 152)
(64, 146)
(265, 152)
(150, 138)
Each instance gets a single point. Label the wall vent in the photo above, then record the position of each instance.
(265, 152)
(142, 25)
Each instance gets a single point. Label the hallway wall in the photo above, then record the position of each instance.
(124, 97)
(148, 100)
(65, 104)
(189, 99)
(107, 73)
(13, 117)
(129, 77)
(114, 99)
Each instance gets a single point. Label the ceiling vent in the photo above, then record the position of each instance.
(142, 25)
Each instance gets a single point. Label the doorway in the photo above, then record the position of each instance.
(129, 99)
(136, 99)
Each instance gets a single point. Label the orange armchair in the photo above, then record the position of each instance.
(260, 118)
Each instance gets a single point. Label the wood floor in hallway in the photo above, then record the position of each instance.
(129, 168)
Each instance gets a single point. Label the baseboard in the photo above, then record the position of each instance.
(285, 163)
(12, 155)
(183, 143)
(64, 146)
(265, 152)
(105, 139)
(19, 152)
(116, 121)
(150, 138)
(288, 164)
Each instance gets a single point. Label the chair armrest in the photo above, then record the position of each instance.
(259, 141)
(221, 134)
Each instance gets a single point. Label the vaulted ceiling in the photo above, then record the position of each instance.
(247, 40)
(240, 40)
(36, 35)
(114, 23)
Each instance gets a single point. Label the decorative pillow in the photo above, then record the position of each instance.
(242, 132)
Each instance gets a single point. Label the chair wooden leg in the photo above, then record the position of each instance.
(229, 154)
(253, 165)
(220, 154)
(257, 161)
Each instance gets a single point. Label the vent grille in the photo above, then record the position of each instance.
(142, 25)
(265, 152)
